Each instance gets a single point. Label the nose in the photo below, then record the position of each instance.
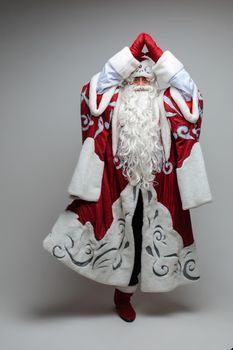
(141, 81)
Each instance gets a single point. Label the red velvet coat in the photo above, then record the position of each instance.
(94, 234)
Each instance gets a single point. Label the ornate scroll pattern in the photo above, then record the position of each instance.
(97, 254)
(171, 105)
(84, 97)
(116, 162)
(170, 258)
(100, 127)
(183, 132)
(87, 121)
(196, 131)
(167, 168)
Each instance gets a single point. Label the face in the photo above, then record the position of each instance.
(141, 81)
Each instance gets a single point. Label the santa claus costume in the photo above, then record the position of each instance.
(139, 172)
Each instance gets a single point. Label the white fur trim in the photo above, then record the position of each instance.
(179, 99)
(115, 126)
(106, 97)
(165, 262)
(124, 62)
(87, 178)
(166, 67)
(165, 127)
(109, 260)
(128, 289)
(192, 180)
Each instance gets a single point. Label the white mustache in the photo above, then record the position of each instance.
(142, 87)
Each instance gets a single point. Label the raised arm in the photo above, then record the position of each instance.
(120, 66)
(170, 70)
(183, 105)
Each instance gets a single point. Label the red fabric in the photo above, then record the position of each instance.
(123, 305)
(154, 51)
(137, 46)
(113, 183)
(183, 146)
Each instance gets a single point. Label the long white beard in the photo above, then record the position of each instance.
(139, 145)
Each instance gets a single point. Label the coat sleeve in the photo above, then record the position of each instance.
(116, 69)
(87, 177)
(183, 105)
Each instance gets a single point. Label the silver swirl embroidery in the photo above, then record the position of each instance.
(100, 127)
(196, 131)
(161, 270)
(189, 266)
(183, 132)
(84, 97)
(167, 168)
(116, 161)
(86, 121)
(98, 252)
(106, 124)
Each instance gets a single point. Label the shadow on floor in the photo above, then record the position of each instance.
(101, 304)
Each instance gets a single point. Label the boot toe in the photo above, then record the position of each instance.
(127, 313)
(123, 306)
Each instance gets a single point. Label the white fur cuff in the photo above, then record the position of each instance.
(128, 289)
(192, 180)
(86, 181)
(124, 62)
(167, 66)
(106, 98)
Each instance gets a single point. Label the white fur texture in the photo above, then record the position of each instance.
(87, 178)
(128, 289)
(192, 180)
(106, 98)
(166, 67)
(165, 262)
(165, 126)
(179, 99)
(107, 261)
(115, 128)
(124, 62)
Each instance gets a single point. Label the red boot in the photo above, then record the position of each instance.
(123, 305)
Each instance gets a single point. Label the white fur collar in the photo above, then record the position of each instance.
(106, 98)
(165, 127)
(115, 129)
(179, 99)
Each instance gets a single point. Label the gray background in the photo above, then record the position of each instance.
(49, 49)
